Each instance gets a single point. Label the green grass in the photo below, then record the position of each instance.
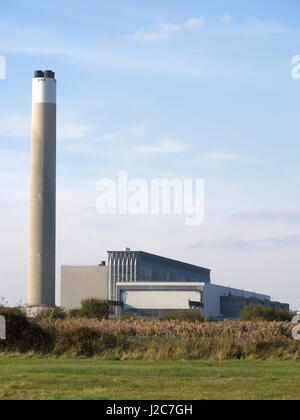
(48, 378)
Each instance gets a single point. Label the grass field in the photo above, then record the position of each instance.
(62, 378)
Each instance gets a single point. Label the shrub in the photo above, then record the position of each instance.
(190, 316)
(23, 335)
(51, 313)
(88, 342)
(74, 313)
(151, 339)
(93, 309)
(256, 313)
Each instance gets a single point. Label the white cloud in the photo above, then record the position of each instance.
(162, 146)
(142, 36)
(138, 130)
(289, 215)
(220, 157)
(83, 131)
(109, 137)
(170, 28)
(195, 23)
(226, 18)
(114, 57)
(73, 131)
(246, 245)
(15, 125)
(70, 130)
(111, 57)
(166, 30)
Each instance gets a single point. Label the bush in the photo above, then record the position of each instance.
(189, 316)
(23, 335)
(74, 313)
(88, 342)
(51, 313)
(256, 313)
(92, 309)
(151, 340)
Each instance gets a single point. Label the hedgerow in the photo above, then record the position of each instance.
(149, 340)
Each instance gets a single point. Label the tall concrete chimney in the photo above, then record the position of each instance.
(41, 272)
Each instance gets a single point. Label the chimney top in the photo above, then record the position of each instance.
(47, 74)
(38, 73)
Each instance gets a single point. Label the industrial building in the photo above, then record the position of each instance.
(148, 285)
(141, 267)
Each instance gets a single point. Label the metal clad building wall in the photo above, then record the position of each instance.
(138, 266)
(157, 269)
(122, 268)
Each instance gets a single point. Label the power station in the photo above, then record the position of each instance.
(147, 285)
(134, 282)
(41, 268)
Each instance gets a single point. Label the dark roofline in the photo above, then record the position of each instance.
(167, 260)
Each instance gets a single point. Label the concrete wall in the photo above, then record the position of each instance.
(79, 283)
(41, 266)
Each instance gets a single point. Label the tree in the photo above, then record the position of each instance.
(94, 308)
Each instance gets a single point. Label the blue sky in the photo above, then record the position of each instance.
(160, 89)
